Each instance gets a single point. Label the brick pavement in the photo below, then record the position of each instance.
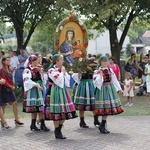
(127, 133)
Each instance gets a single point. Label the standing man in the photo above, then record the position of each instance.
(22, 58)
(14, 63)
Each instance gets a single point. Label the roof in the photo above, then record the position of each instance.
(146, 34)
(143, 40)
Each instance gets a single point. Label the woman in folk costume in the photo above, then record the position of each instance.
(83, 95)
(34, 92)
(7, 89)
(107, 101)
(58, 104)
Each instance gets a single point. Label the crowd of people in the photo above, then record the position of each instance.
(46, 90)
(140, 70)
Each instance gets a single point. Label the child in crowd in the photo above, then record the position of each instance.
(128, 88)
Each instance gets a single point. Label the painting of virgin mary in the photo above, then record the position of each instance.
(67, 47)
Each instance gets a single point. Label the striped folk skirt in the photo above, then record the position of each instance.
(58, 104)
(34, 100)
(84, 98)
(107, 101)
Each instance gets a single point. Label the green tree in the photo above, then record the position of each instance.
(138, 29)
(128, 50)
(112, 14)
(25, 15)
(43, 38)
(2, 31)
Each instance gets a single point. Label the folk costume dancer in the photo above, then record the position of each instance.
(107, 86)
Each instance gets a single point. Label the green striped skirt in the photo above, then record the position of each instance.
(34, 99)
(107, 101)
(84, 98)
(58, 104)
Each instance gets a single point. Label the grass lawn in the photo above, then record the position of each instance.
(141, 107)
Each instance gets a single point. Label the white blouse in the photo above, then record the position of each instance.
(76, 77)
(27, 79)
(98, 79)
(58, 77)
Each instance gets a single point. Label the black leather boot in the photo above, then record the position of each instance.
(82, 123)
(33, 126)
(60, 127)
(102, 127)
(58, 134)
(96, 121)
(43, 127)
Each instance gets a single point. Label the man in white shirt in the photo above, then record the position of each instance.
(14, 63)
(22, 57)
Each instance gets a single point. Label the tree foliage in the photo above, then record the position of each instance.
(137, 30)
(112, 15)
(44, 33)
(27, 15)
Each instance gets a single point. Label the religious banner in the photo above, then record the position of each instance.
(71, 40)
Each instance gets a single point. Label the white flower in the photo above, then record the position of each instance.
(56, 29)
(71, 64)
(80, 22)
(80, 59)
(61, 27)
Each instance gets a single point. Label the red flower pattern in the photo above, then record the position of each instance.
(84, 31)
(106, 74)
(35, 70)
(127, 85)
(105, 71)
(70, 19)
(56, 76)
(86, 44)
(50, 71)
(59, 70)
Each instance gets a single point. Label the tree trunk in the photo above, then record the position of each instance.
(19, 35)
(114, 45)
(20, 41)
(31, 31)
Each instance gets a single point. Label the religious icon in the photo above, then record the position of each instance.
(67, 47)
(71, 41)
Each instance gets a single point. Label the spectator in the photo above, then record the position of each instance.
(15, 53)
(1, 55)
(3, 121)
(128, 89)
(114, 67)
(107, 55)
(90, 58)
(142, 68)
(133, 68)
(148, 54)
(8, 88)
(139, 68)
(22, 57)
(97, 58)
(147, 72)
(14, 63)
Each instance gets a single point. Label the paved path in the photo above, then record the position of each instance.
(127, 133)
